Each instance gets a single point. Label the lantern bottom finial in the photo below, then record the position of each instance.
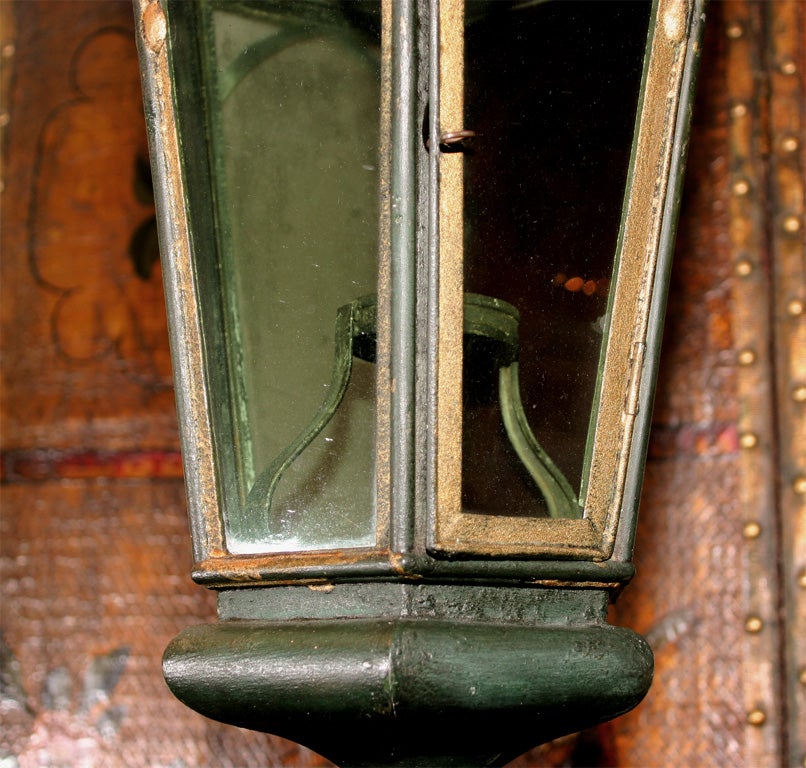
(416, 689)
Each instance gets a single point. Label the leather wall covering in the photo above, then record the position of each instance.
(94, 554)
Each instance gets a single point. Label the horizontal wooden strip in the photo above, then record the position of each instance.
(20, 466)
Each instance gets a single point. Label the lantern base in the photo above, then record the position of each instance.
(412, 690)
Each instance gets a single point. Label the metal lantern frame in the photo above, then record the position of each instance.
(432, 569)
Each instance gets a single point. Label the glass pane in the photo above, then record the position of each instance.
(295, 136)
(551, 91)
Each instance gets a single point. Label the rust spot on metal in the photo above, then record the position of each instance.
(674, 22)
(397, 562)
(223, 569)
(154, 26)
(564, 583)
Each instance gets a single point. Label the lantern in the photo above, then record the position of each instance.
(416, 257)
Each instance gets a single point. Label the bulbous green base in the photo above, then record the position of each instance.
(411, 690)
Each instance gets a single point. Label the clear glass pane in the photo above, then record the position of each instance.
(551, 91)
(296, 136)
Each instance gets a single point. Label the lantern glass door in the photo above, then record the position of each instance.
(550, 96)
(294, 99)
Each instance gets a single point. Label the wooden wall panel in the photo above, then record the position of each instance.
(94, 550)
(85, 363)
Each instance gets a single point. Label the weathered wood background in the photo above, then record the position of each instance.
(94, 555)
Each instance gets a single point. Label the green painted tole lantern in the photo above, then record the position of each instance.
(416, 258)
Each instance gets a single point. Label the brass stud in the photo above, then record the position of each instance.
(756, 717)
(734, 30)
(799, 394)
(753, 624)
(795, 307)
(4, 119)
(8, 50)
(746, 357)
(744, 268)
(738, 110)
(788, 67)
(792, 224)
(741, 187)
(799, 485)
(790, 143)
(748, 440)
(802, 676)
(751, 530)
(802, 580)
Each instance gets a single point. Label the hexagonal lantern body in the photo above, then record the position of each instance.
(416, 257)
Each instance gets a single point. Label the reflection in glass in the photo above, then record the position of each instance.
(551, 92)
(295, 137)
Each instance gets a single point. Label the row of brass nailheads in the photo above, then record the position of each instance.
(7, 51)
(791, 225)
(735, 30)
(741, 188)
(744, 267)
